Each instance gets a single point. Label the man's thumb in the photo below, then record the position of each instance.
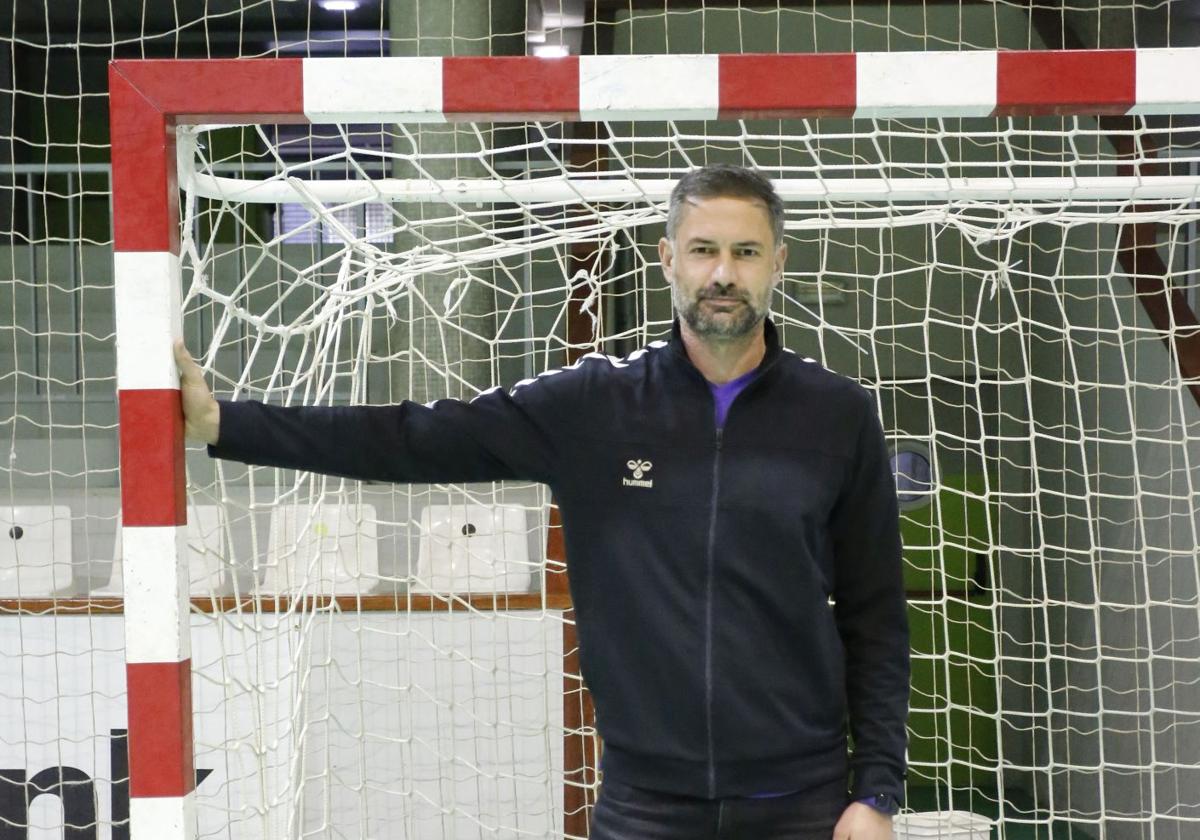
(183, 359)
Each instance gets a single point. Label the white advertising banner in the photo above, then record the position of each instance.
(63, 758)
(403, 734)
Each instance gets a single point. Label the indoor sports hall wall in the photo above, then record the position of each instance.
(1054, 621)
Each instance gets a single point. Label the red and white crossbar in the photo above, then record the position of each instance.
(149, 98)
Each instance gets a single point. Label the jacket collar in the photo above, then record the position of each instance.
(770, 335)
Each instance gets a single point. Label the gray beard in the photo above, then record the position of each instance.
(727, 326)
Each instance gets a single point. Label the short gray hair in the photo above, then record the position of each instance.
(725, 180)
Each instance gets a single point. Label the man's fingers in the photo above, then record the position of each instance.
(201, 413)
(191, 375)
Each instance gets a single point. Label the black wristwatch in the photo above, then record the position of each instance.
(884, 803)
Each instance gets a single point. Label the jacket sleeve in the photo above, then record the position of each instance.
(493, 437)
(872, 615)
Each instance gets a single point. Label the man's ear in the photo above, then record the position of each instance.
(780, 261)
(666, 256)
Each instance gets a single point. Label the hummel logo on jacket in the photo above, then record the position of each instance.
(738, 591)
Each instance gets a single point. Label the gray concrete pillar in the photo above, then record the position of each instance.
(460, 343)
(8, 183)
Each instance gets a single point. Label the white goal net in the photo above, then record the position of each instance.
(1045, 439)
(399, 661)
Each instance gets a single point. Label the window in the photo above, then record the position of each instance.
(372, 222)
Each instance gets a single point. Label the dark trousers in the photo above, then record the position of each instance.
(629, 813)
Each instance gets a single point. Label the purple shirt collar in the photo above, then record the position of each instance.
(723, 395)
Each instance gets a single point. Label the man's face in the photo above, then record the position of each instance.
(722, 265)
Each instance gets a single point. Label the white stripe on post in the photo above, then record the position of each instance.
(944, 84)
(1166, 81)
(657, 87)
(162, 816)
(148, 318)
(156, 594)
(399, 89)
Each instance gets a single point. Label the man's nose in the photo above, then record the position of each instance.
(723, 271)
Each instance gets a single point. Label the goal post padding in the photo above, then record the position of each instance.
(150, 100)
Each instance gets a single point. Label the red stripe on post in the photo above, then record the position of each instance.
(160, 728)
(260, 89)
(144, 194)
(1066, 82)
(152, 463)
(787, 85)
(516, 86)
(147, 99)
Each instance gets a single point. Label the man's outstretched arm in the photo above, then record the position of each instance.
(491, 438)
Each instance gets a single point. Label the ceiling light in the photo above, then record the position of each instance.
(551, 50)
(338, 5)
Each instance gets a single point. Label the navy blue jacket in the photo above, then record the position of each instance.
(738, 591)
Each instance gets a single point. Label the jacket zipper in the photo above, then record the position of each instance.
(708, 618)
(710, 584)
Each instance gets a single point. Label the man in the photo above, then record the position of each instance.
(732, 532)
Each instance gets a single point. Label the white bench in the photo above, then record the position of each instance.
(35, 550)
(472, 548)
(321, 549)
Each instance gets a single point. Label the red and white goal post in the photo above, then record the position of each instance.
(987, 145)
